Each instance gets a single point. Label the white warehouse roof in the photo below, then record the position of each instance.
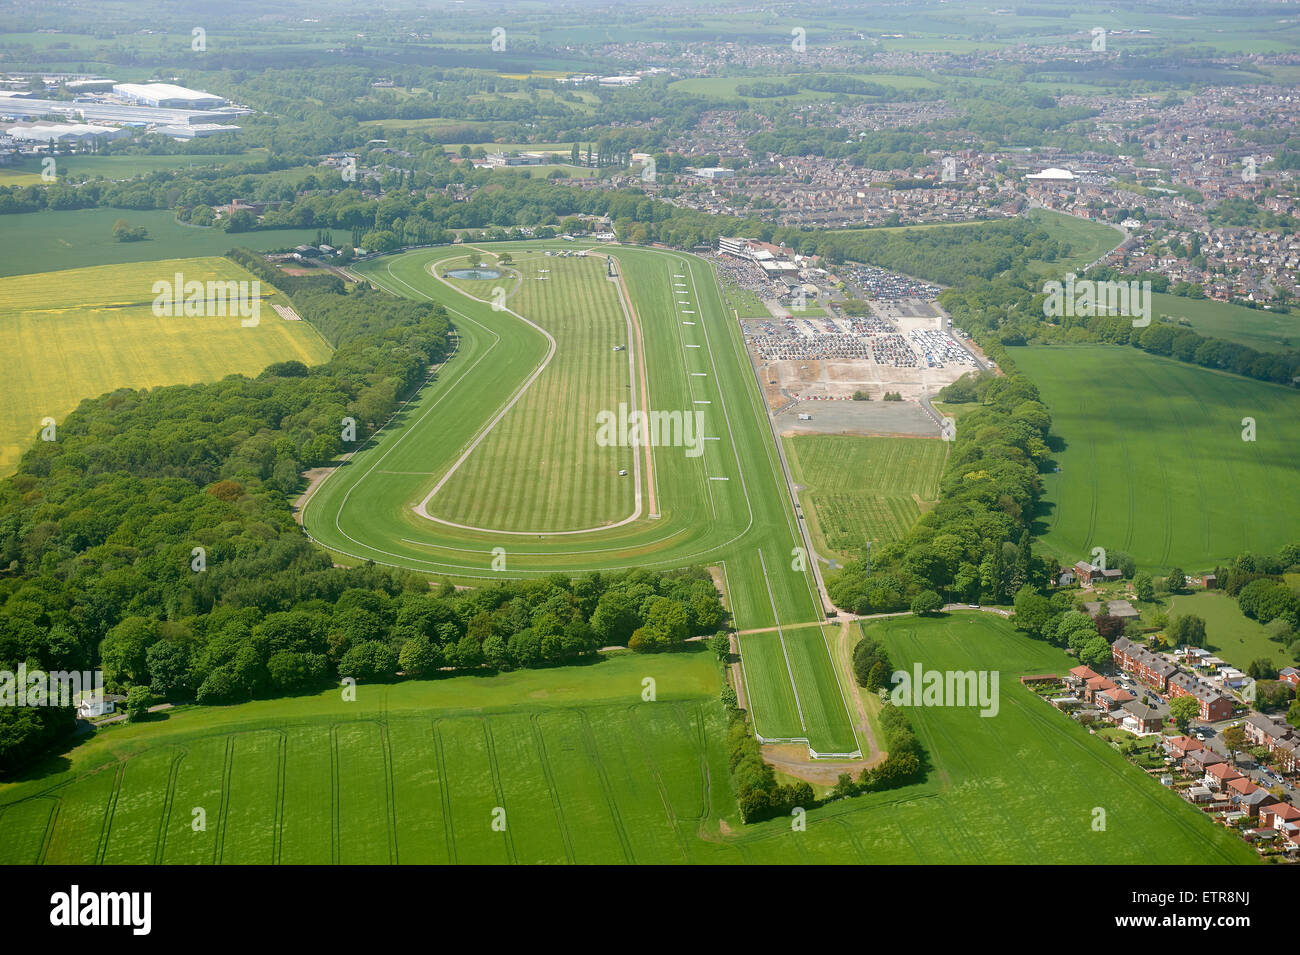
(167, 93)
(61, 132)
(1052, 173)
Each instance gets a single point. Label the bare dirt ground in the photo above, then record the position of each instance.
(314, 476)
(793, 760)
(887, 418)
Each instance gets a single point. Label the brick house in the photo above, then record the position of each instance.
(1219, 775)
(1142, 719)
(1095, 686)
(1214, 705)
(1151, 668)
(1265, 731)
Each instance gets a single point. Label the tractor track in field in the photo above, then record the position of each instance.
(657, 778)
(593, 754)
(390, 791)
(169, 800)
(444, 791)
(281, 774)
(494, 770)
(106, 825)
(336, 845)
(218, 845)
(539, 742)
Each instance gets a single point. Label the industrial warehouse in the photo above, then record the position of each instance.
(99, 110)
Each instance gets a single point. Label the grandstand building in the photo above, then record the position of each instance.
(737, 247)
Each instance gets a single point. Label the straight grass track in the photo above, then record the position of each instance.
(1154, 461)
(859, 489)
(79, 333)
(587, 772)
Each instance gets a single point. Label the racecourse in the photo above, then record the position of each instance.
(514, 411)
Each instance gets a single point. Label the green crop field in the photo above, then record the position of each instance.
(1230, 633)
(863, 489)
(49, 241)
(1256, 328)
(726, 86)
(1022, 785)
(725, 506)
(28, 172)
(1154, 461)
(581, 769)
(79, 333)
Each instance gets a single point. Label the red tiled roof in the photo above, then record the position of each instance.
(1224, 772)
(1241, 785)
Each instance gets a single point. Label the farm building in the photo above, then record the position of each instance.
(1115, 608)
(1088, 574)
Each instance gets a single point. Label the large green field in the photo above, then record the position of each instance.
(1254, 327)
(583, 770)
(28, 171)
(1154, 462)
(45, 241)
(79, 333)
(860, 489)
(525, 400)
(1230, 633)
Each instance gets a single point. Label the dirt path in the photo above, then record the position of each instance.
(843, 646)
(793, 760)
(314, 476)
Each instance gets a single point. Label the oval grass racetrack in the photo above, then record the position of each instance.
(1154, 462)
(505, 438)
(720, 507)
